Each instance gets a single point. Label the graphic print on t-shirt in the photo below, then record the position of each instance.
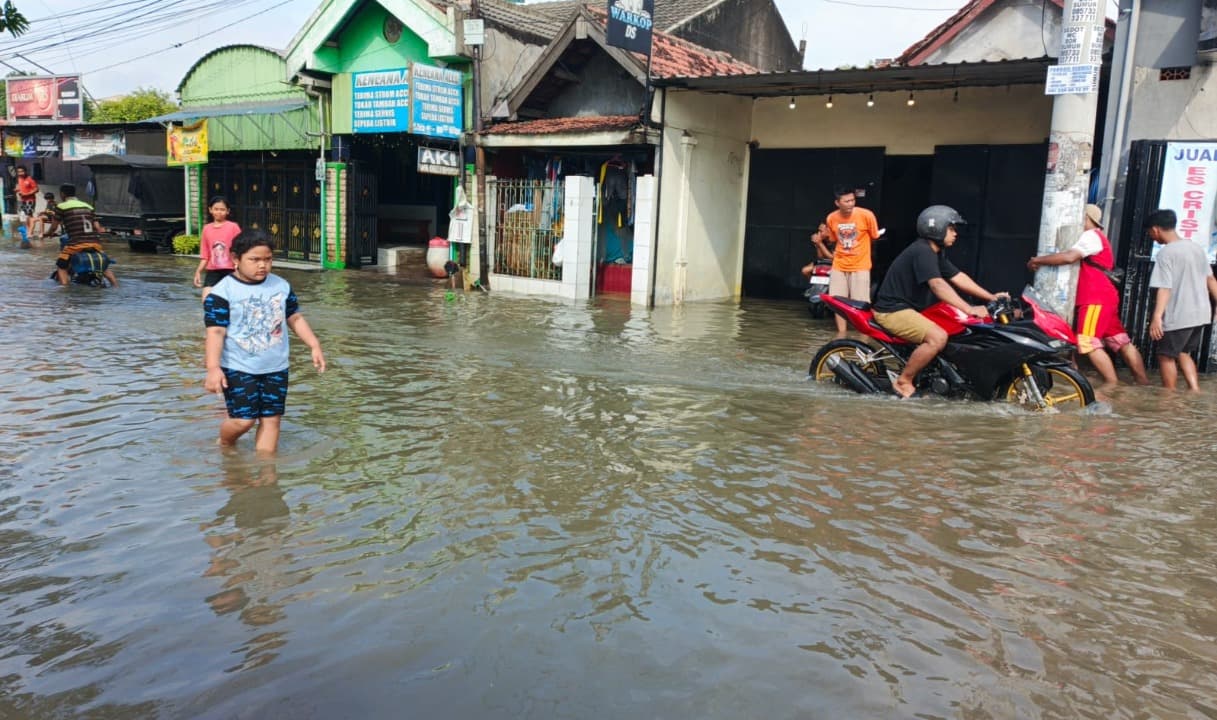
(219, 255)
(262, 322)
(847, 235)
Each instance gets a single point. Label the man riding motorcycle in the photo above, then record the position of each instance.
(83, 238)
(920, 276)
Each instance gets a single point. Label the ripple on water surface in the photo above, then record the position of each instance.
(500, 506)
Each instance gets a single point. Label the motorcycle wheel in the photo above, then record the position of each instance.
(851, 350)
(1069, 388)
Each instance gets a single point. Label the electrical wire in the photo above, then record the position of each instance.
(185, 42)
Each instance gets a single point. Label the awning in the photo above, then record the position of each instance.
(211, 111)
(946, 76)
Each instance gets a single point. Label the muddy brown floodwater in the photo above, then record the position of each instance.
(504, 507)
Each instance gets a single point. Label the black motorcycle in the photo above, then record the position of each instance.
(1017, 355)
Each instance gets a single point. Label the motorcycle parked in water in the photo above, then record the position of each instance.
(1016, 355)
(817, 286)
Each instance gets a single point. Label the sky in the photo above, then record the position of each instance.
(121, 45)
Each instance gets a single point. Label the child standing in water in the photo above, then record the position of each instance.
(215, 246)
(247, 315)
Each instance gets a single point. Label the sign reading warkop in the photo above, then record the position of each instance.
(629, 25)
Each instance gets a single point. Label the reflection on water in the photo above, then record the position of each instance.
(501, 507)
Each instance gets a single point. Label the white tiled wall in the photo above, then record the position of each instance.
(579, 241)
(644, 214)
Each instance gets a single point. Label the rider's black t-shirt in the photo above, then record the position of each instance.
(907, 283)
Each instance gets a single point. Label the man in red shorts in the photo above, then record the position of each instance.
(1097, 319)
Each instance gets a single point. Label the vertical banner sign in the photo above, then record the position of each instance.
(1189, 187)
(629, 25)
(380, 101)
(187, 144)
(438, 99)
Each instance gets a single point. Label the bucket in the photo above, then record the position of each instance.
(437, 255)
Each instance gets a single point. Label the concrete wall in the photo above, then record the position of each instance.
(986, 116)
(1173, 109)
(751, 30)
(704, 190)
(506, 62)
(606, 89)
(1006, 31)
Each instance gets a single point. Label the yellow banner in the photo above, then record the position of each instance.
(13, 145)
(187, 143)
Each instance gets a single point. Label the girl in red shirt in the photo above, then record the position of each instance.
(215, 246)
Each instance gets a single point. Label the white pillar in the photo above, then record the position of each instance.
(578, 239)
(1070, 146)
(644, 231)
(680, 275)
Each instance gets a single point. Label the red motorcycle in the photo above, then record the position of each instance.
(1019, 354)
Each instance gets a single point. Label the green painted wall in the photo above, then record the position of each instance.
(362, 47)
(245, 74)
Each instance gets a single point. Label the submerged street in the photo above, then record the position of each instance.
(499, 506)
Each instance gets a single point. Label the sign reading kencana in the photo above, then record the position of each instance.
(423, 100)
(434, 161)
(629, 25)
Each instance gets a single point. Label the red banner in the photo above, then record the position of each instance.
(51, 98)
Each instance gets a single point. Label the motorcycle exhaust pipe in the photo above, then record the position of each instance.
(853, 377)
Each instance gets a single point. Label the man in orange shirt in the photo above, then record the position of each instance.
(27, 198)
(853, 229)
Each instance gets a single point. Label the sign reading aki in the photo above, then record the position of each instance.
(435, 161)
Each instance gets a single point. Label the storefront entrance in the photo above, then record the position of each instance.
(273, 192)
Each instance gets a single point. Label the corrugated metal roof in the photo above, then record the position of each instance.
(210, 111)
(863, 80)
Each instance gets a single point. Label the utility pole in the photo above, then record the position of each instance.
(1074, 80)
(479, 154)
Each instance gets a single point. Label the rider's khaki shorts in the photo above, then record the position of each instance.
(853, 285)
(908, 324)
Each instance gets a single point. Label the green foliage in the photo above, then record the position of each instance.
(12, 21)
(139, 105)
(186, 244)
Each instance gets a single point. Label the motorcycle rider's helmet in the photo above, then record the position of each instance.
(933, 222)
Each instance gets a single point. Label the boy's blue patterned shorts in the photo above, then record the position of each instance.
(250, 397)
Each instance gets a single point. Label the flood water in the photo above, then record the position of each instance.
(501, 507)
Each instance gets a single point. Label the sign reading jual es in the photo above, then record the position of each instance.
(424, 100)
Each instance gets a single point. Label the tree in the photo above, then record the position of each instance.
(139, 105)
(12, 21)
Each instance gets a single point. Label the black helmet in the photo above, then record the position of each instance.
(933, 222)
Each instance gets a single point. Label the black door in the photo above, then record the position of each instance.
(906, 192)
(999, 189)
(789, 194)
(364, 199)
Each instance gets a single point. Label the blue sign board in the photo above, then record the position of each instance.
(380, 101)
(438, 102)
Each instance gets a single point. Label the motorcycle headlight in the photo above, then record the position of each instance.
(1058, 344)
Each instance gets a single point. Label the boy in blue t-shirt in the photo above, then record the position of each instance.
(247, 316)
